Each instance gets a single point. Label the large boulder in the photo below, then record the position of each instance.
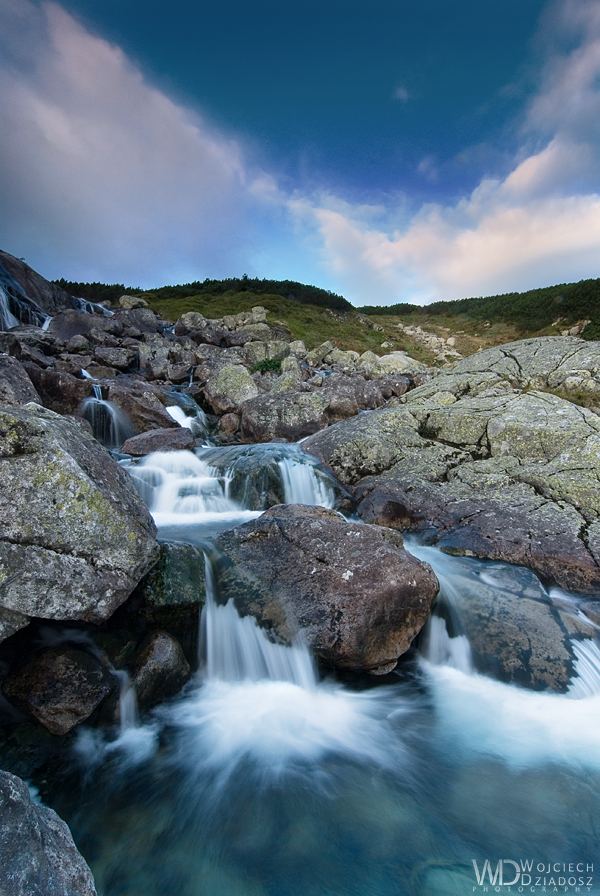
(351, 591)
(228, 389)
(180, 439)
(283, 415)
(142, 404)
(15, 386)
(22, 280)
(59, 391)
(61, 687)
(37, 853)
(509, 476)
(75, 535)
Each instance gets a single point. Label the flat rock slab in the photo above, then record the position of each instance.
(75, 536)
(510, 476)
(356, 597)
(37, 853)
(180, 439)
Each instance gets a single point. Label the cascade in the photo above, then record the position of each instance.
(109, 423)
(7, 318)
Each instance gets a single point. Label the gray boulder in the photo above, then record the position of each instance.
(228, 389)
(507, 476)
(351, 591)
(76, 537)
(58, 390)
(37, 853)
(15, 386)
(284, 415)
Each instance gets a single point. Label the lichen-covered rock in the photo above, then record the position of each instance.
(37, 853)
(257, 351)
(229, 389)
(354, 594)
(75, 537)
(61, 687)
(287, 415)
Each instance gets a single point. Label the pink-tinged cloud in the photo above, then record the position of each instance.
(103, 175)
(538, 226)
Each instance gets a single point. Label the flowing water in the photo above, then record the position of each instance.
(264, 779)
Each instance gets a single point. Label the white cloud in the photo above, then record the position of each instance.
(103, 175)
(538, 226)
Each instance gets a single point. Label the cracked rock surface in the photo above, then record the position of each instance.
(472, 462)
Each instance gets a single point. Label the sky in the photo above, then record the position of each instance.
(387, 150)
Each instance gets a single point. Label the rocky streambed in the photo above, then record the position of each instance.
(223, 652)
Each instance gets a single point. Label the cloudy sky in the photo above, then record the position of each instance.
(388, 150)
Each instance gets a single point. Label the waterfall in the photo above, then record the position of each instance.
(303, 483)
(195, 422)
(7, 318)
(109, 423)
(586, 681)
(237, 649)
(87, 307)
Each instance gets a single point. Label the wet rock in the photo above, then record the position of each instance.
(142, 404)
(37, 853)
(58, 390)
(180, 439)
(48, 296)
(355, 595)
(60, 687)
(161, 670)
(75, 535)
(16, 387)
(229, 424)
(287, 415)
(177, 579)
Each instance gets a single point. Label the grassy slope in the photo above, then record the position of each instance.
(346, 330)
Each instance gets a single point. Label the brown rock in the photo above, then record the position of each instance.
(180, 439)
(161, 670)
(60, 687)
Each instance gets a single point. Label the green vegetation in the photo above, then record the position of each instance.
(529, 312)
(267, 364)
(289, 289)
(95, 292)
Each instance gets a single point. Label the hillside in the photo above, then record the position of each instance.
(313, 314)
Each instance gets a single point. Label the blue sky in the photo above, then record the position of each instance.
(390, 151)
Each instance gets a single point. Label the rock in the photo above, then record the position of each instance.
(75, 536)
(192, 320)
(61, 687)
(350, 394)
(142, 405)
(49, 297)
(357, 598)
(58, 390)
(130, 302)
(367, 444)
(316, 357)
(229, 389)
(275, 350)
(15, 386)
(508, 477)
(177, 579)
(229, 424)
(287, 415)
(515, 633)
(298, 349)
(77, 344)
(71, 323)
(143, 319)
(180, 439)
(161, 670)
(121, 358)
(37, 853)
(401, 363)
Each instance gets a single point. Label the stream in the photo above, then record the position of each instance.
(267, 777)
